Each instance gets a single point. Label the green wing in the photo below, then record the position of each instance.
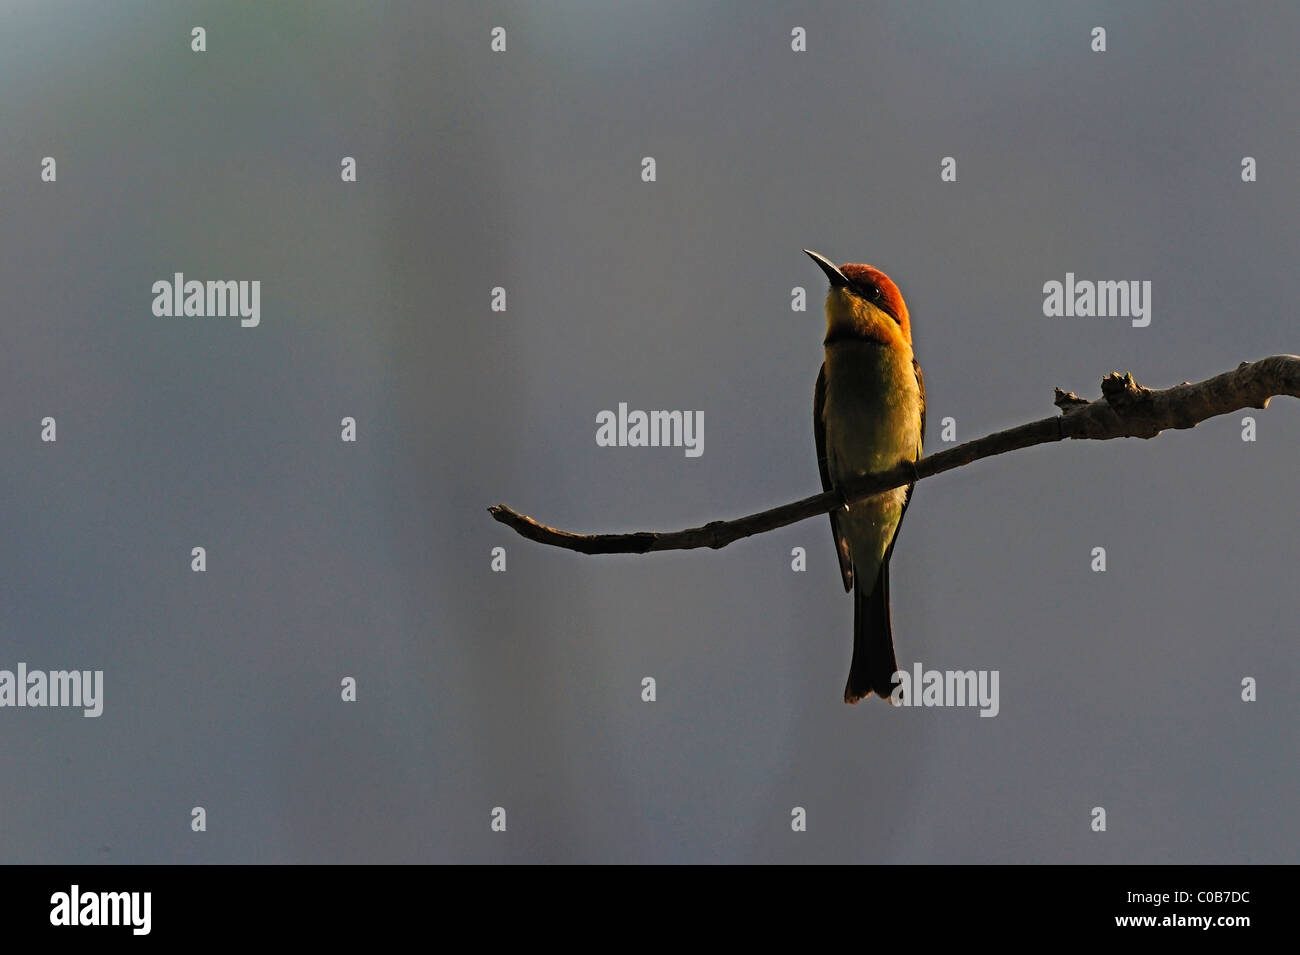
(819, 435)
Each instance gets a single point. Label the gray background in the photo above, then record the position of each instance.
(522, 689)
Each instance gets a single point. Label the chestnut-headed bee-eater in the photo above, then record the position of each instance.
(868, 416)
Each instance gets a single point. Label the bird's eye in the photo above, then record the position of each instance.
(871, 292)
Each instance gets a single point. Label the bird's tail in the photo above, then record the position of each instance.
(873, 666)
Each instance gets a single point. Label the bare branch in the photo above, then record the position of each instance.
(1125, 410)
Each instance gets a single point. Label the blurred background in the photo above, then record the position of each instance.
(522, 689)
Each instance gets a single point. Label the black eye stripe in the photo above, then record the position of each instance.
(874, 294)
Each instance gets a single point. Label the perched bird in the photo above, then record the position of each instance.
(868, 416)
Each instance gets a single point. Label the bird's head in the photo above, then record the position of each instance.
(864, 304)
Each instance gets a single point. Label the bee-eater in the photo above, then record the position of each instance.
(868, 416)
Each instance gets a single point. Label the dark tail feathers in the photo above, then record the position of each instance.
(873, 665)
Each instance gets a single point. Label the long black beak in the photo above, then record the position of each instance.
(838, 279)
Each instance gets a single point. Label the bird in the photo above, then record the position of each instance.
(868, 416)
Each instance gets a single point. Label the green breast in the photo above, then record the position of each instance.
(873, 408)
